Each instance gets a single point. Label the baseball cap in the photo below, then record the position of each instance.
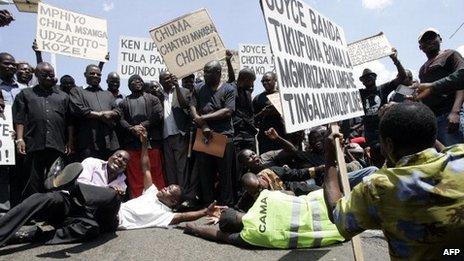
(428, 30)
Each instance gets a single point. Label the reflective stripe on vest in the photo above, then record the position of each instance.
(295, 222)
(317, 226)
(277, 220)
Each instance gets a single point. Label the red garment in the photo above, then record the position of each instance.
(135, 175)
(359, 140)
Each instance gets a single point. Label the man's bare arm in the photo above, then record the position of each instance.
(212, 210)
(188, 216)
(145, 160)
(331, 186)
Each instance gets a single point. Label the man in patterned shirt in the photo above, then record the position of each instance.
(417, 198)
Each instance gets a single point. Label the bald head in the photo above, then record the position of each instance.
(246, 78)
(166, 80)
(251, 183)
(212, 73)
(269, 82)
(113, 81)
(6, 56)
(45, 74)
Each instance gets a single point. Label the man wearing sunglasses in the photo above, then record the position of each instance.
(43, 129)
(442, 76)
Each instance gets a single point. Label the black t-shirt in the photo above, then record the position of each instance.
(263, 123)
(374, 98)
(446, 63)
(45, 116)
(207, 100)
(243, 117)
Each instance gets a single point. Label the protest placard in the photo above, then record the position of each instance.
(27, 6)
(72, 34)
(314, 72)
(369, 49)
(224, 70)
(257, 57)
(189, 42)
(139, 56)
(275, 101)
(216, 146)
(7, 145)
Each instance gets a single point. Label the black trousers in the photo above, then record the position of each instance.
(208, 167)
(37, 164)
(95, 212)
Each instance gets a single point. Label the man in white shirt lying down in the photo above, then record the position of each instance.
(154, 208)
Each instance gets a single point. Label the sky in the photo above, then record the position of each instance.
(241, 21)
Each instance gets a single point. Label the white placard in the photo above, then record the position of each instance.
(139, 56)
(257, 57)
(72, 34)
(188, 42)
(369, 49)
(315, 75)
(7, 145)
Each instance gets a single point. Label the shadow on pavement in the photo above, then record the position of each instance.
(65, 253)
(19, 248)
(304, 254)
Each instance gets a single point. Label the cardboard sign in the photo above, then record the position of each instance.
(72, 34)
(225, 71)
(275, 101)
(257, 57)
(7, 145)
(215, 146)
(189, 42)
(27, 6)
(314, 71)
(369, 49)
(139, 56)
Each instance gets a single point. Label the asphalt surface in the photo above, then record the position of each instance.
(173, 244)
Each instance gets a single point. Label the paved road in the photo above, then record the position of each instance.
(173, 244)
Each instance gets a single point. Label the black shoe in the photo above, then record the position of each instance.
(64, 178)
(26, 234)
(56, 168)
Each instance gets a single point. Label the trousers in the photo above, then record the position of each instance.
(77, 216)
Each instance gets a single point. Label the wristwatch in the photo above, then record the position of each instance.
(18, 141)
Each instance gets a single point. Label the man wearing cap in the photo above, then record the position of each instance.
(373, 97)
(441, 75)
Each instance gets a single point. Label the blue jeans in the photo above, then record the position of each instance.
(355, 177)
(443, 136)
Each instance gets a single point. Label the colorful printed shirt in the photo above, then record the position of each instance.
(419, 205)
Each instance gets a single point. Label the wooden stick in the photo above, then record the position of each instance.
(356, 240)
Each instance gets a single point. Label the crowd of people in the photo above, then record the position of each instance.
(90, 160)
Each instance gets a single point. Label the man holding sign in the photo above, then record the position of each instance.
(212, 109)
(373, 97)
(416, 198)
